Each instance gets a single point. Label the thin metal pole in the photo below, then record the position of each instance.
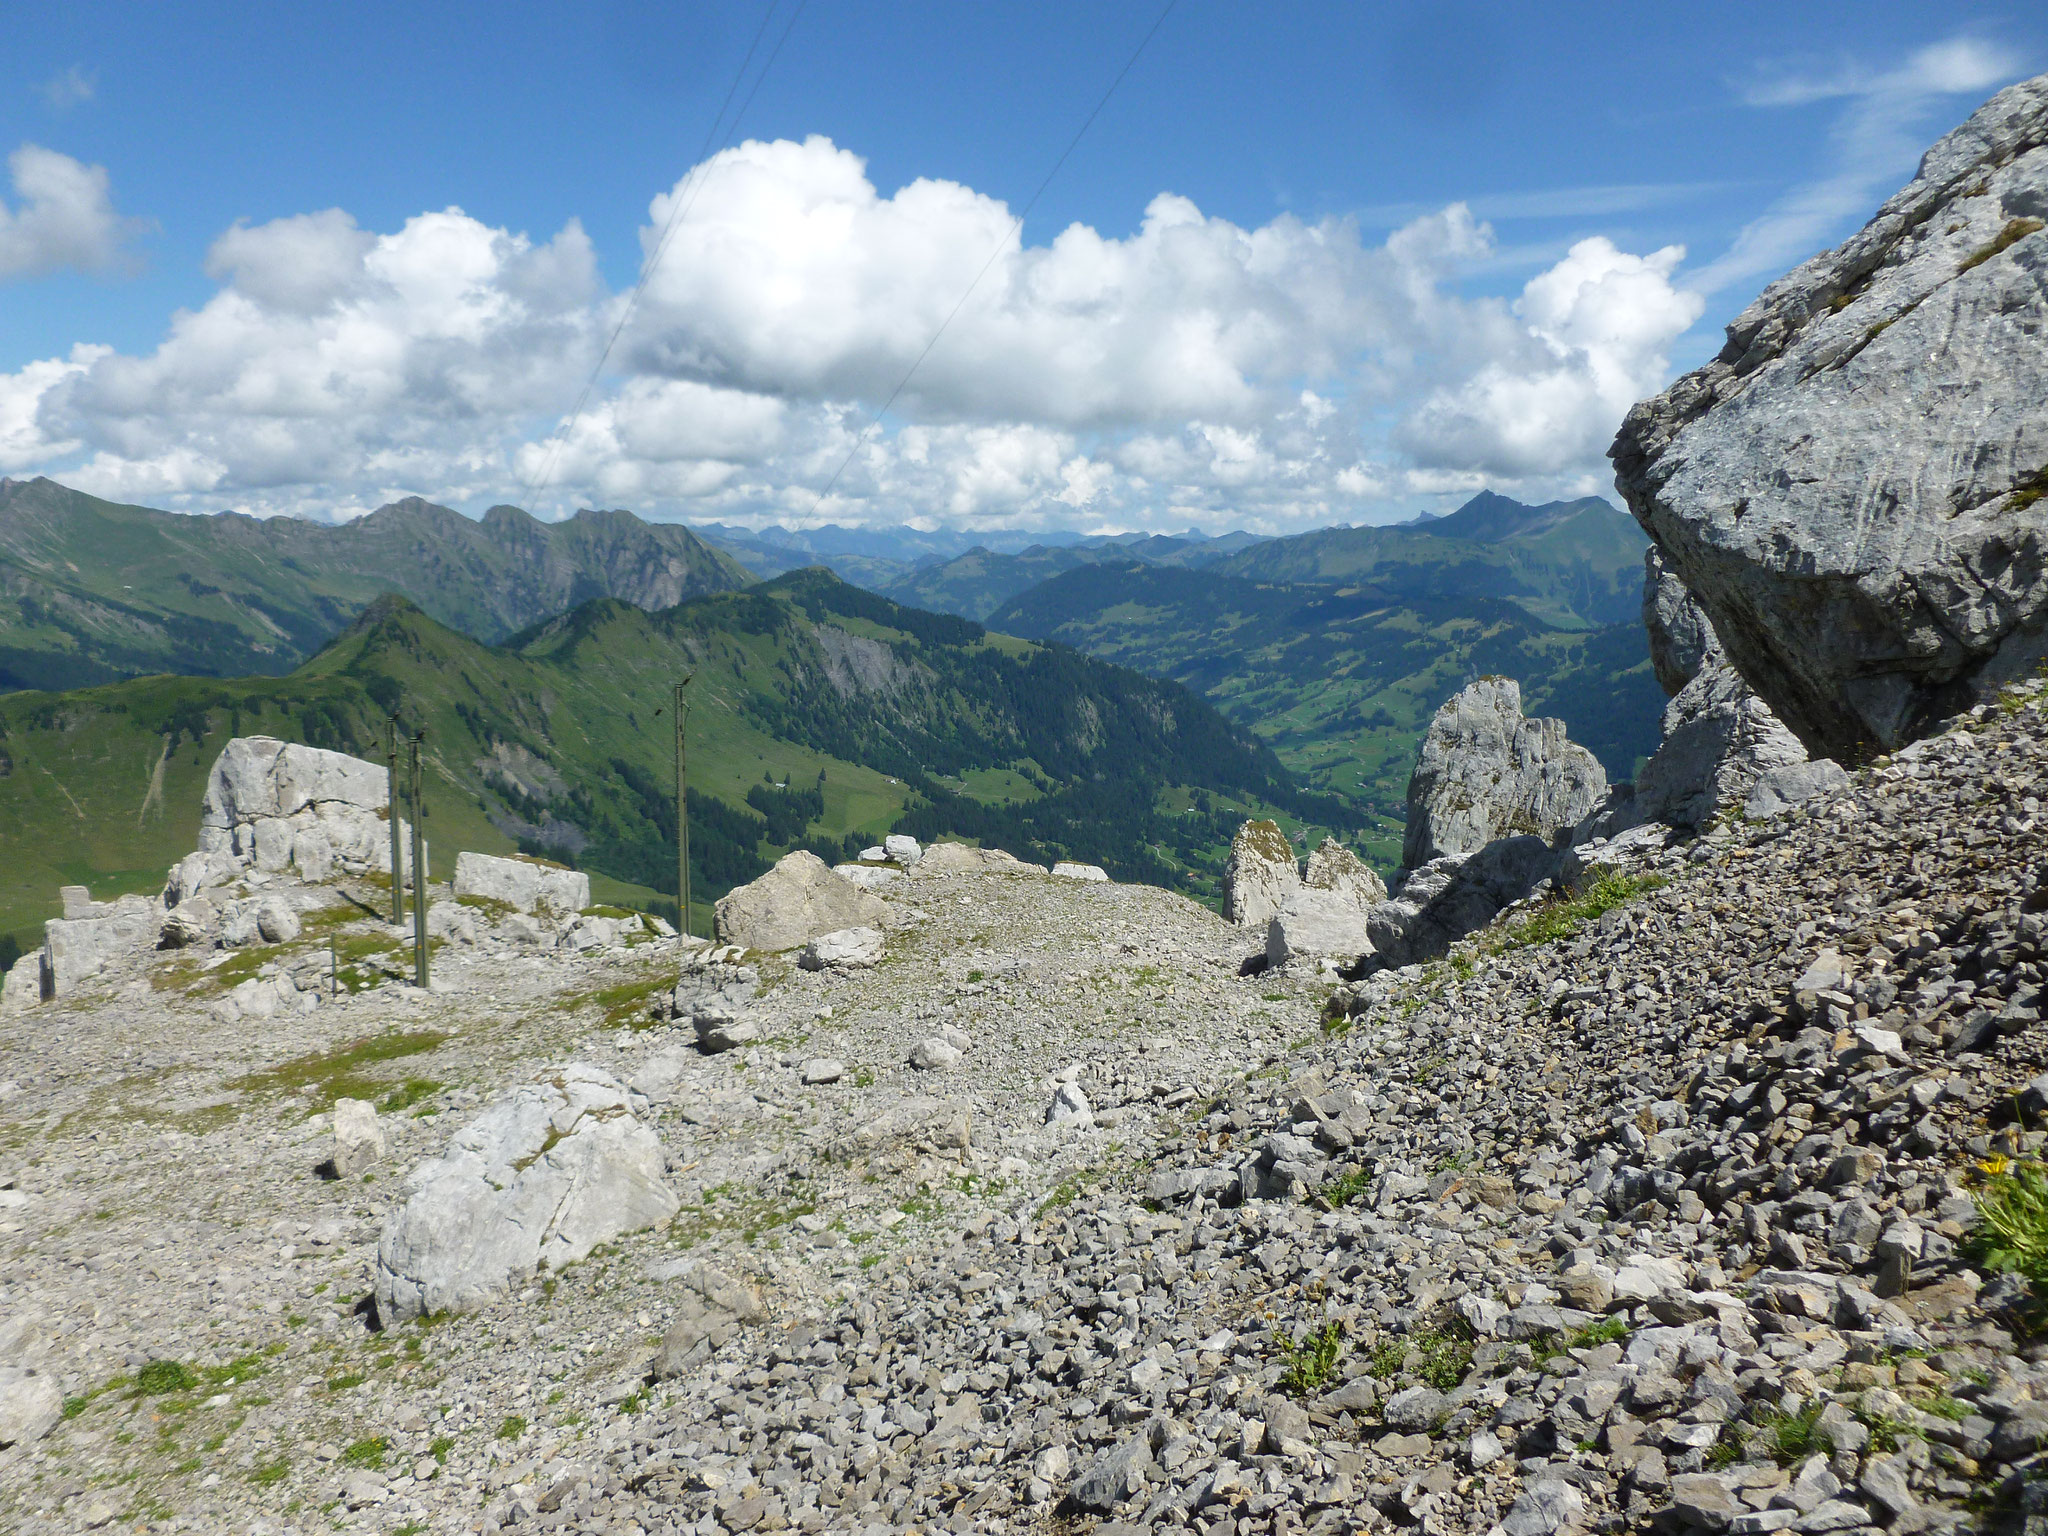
(681, 710)
(419, 872)
(397, 801)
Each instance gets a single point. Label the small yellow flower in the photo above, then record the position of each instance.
(1995, 1164)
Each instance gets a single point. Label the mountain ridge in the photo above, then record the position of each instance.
(93, 590)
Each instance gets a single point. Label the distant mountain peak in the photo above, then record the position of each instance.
(1490, 518)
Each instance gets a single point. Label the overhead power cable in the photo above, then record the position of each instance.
(685, 197)
(996, 254)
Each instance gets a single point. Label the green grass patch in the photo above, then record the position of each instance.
(240, 1371)
(1311, 1359)
(1727, 1448)
(630, 1003)
(1609, 1330)
(1352, 1184)
(368, 1452)
(1942, 1406)
(340, 1074)
(1794, 1436)
(513, 1427)
(269, 1474)
(164, 1376)
(1446, 1357)
(407, 1094)
(2012, 1222)
(1564, 915)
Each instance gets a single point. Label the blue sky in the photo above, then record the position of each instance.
(1337, 262)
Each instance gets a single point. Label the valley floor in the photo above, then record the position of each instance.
(1654, 1210)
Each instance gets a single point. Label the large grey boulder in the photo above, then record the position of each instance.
(22, 988)
(1720, 740)
(1854, 487)
(963, 859)
(1260, 877)
(31, 1405)
(713, 997)
(526, 885)
(1322, 916)
(1485, 773)
(358, 1138)
(543, 1176)
(848, 949)
(1318, 925)
(795, 902)
(115, 934)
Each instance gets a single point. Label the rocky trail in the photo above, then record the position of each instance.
(164, 1195)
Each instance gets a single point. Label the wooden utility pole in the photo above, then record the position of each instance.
(682, 714)
(396, 801)
(419, 871)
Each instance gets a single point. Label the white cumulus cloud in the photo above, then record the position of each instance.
(62, 216)
(1587, 339)
(1191, 370)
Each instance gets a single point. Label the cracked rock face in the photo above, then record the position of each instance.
(1486, 773)
(1853, 487)
(1723, 750)
(538, 1180)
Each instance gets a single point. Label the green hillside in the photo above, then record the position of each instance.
(823, 715)
(1570, 565)
(1341, 679)
(979, 582)
(92, 590)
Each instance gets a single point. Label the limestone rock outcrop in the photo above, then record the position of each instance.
(1680, 635)
(1854, 487)
(1485, 773)
(1448, 898)
(274, 805)
(1312, 910)
(95, 937)
(527, 885)
(1493, 806)
(797, 901)
(543, 1176)
(1335, 869)
(1318, 925)
(1260, 876)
